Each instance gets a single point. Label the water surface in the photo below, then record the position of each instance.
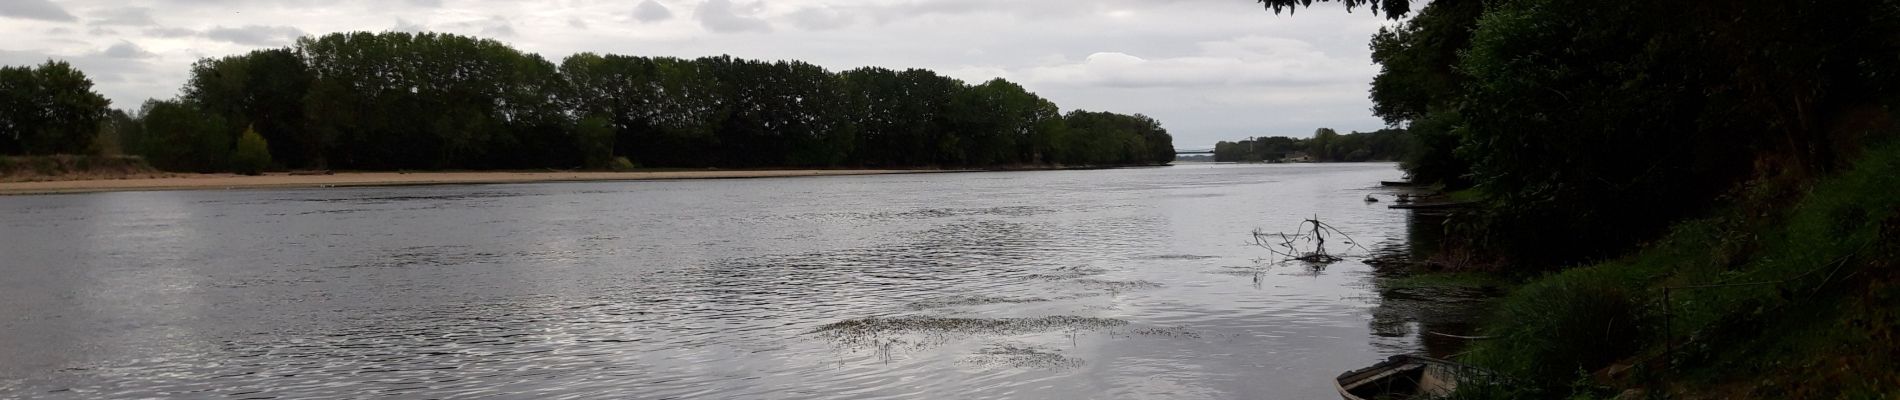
(1128, 283)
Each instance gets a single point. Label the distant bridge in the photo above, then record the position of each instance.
(1193, 151)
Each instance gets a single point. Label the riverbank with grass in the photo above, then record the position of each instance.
(75, 167)
(1788, 291)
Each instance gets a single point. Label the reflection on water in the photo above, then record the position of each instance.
(1072, 284)
(1436, 319)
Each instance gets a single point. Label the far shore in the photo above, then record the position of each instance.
(358, 179)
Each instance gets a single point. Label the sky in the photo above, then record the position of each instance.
(1210, 70)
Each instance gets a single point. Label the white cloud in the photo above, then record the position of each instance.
(1240, 61)
(256, 35)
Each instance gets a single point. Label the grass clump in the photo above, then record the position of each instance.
(1579, 320)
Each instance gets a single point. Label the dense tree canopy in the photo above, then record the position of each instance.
(1326, 145)
(1615, 118)
(397, 100)
(48, 109)
(264, 89)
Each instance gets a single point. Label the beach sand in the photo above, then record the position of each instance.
(352, 179)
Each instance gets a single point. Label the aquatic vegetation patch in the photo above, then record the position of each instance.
(867, 330)
(1175, 257)
(1117, 286)
(1239, 271)
(1022, 356)
(1172, 332)
(1067, 273)
(1011, 211)
(954, 301)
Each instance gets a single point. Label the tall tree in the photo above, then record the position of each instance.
(48, 109)
(264, 89)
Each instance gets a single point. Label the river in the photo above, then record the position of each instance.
(1123, 283)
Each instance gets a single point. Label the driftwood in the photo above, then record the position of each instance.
(1307, 243)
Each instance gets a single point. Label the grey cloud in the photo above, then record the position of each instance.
(127, 16)
(170, 32)
(102, 67)
(43, 10)
(577, 23)
(501, 29)
(720, 16)
(403, 25)
(426, 3)
(651, 11)
(126, 50)
(102, 31)
(256, 35)
(819, 18)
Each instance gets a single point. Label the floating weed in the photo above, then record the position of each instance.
(1172, 332)
(1175, 257)
(869, 331)
(1067, 273)
(1022, 356)
(1117, 286)
(1239, 271)
(955, 301)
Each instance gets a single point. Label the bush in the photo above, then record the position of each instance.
(622, 164)
(252, 154)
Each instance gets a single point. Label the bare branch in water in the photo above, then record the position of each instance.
(1307, 242)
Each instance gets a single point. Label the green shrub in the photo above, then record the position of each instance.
(622, 164)
(252, 154)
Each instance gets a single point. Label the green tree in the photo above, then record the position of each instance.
(597, 142)
(48, 109)
(265, 89)
(252, 154)
(402, 100)
(182, 137)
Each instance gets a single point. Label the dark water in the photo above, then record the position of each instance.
(1132, 283)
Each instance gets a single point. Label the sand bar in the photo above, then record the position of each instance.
(355, 179)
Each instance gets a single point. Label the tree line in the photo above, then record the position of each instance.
(1326, 145)
(1614, 119)
(395, 100)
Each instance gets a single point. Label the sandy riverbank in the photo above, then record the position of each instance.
(349, 179)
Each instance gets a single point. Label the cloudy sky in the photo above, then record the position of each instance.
(1208, 69)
